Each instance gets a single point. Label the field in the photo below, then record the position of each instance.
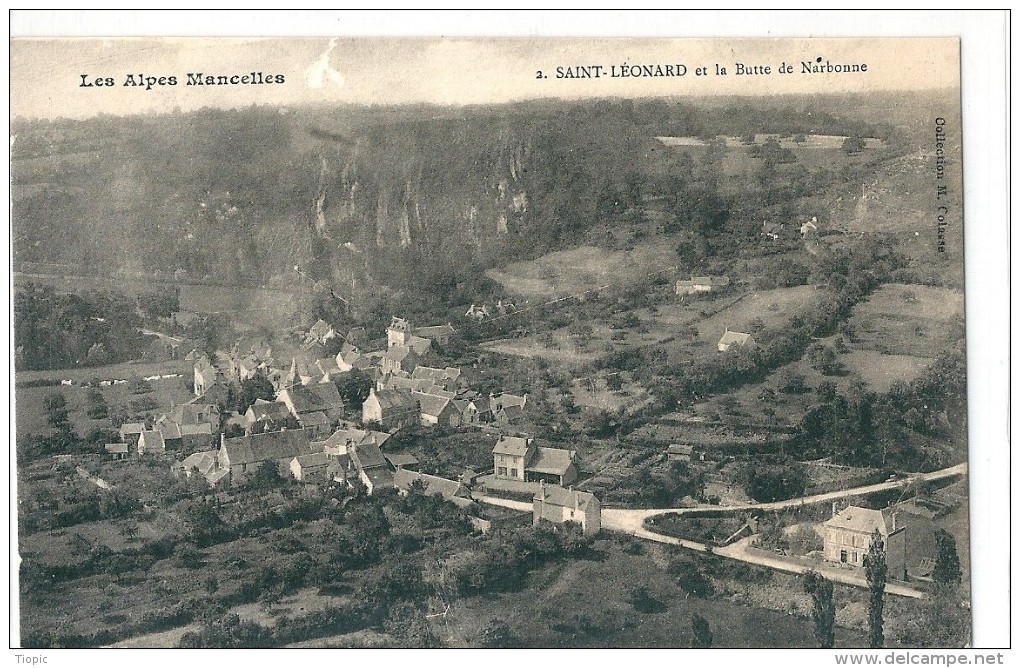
(570, 272)
(30, 410)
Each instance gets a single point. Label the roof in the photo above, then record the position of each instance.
(116, 448)
(567, 498)
(170, 430)
(506, 400)
(419, 345)
(399, 459)
(215, 475)
(320, 329)
(379, 476)
(551, 460)
(132, 428)
(678, 449)
(203, 428)
(398, 353)
(313, 460)
(862, 520)
(269, 410)
(193, 413)
(311, 398)
(203, 462)
(367, 456)
(512, 445)
(327, 365)
(313, 419)
(152, 439)
(254, 448)
(395, 400)
(431, 404)
(729, 338)
(448, 489)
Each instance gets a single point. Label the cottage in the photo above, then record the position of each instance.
(150, 442)
(310, 468)
(436, 410)
(848, 536)
(450, 490)
(195, 412)
(477, 313)
(439, 334)
(130, 432)
(391, 409)
(196, 436)
(203, 463)
(373, 469)
(739, 339)
(264, 416)
(420, 339)
(321, 332)
(808, 229)
(402, 460)
(399, 359)
(558, 505)
(321, 398)
(476, 410)
(243, 455)
(171, 432)
(445, 378)
(699, 284)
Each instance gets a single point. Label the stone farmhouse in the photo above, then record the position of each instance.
(848, 535)
(558, 505)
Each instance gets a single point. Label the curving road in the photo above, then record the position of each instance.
(632, 521)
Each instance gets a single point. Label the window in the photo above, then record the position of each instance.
(513, 473)
(501, 470)
(842, 556)
(855, 556)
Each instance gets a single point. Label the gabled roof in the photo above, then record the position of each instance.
(327, 365)
(680, 449)
(730, 338)
(131, 428)
(566, 498)
(431, 404)
(515, 446)
(202, 428)
(316, 459)
(311, 398)
(551, 460)
(399, 459)
(193, 413)
(507, 400)
(367, 456)
(706, 281)
(170, 430)
(419, 345)
(395, 400)
(275, 445)
(320, 329)
(151, 439)
(435, 331)
(268, 410)
(313, 419)
(863, 520)
(399, 353)
(203, 462)
(117, 448)
(448, 489)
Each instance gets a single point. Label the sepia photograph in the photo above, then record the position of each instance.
(494, 342)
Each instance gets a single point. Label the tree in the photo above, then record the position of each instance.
(947, 561)
(256, 387)
(614, 382)
(876, 570)
(823, 610)
(853, 144)
(702, 632)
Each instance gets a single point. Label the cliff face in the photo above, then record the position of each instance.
(245, 196)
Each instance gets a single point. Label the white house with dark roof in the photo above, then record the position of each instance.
(730, 339)
(558, 505)
(390, 408)
(130, 432)
(699, 284)
(310, 468)
(150, 442)
(847, 536)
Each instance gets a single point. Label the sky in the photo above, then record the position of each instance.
(46, 72)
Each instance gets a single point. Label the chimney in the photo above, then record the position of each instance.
(541, 490)
(834, 508)
(893, 516)
(223, 437)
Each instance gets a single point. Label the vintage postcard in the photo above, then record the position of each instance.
(489, 343)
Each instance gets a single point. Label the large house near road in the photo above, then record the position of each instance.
(701, 284)
(391, 409)
(848, 535)
(739, 339)
(518, 458)
(558, 505)
(244, 454)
